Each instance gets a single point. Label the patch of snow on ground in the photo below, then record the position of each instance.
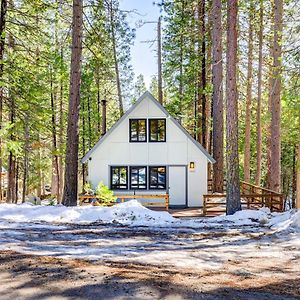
(132, 213)
(128, 213)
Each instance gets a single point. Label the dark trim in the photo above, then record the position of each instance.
(146, 130)
(111, 174)
(166, 181)
(149, 130)
(146, 178)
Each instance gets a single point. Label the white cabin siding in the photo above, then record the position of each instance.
(177, 150)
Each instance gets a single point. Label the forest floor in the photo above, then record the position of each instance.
(43, 261)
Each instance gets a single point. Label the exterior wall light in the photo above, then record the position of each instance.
(192, 166)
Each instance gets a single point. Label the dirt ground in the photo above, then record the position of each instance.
(32, 277)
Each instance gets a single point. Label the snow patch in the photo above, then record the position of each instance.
(132, 213)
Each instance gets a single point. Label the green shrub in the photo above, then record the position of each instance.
(87, 188)
(105, 194)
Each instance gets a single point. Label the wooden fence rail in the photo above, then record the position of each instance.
(252, 197)
(139, 196)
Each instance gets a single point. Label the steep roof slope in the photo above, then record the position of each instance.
(149, 96)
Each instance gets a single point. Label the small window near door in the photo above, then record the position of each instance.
(157, 130)
(157, 178)
(137, 130)
(138, 178)
(119, 178)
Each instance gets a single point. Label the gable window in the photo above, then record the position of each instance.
(157, 178)
(138, 177)
(119, 178)
(157, 130)
(137, 130)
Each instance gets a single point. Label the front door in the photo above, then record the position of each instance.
(177, 185)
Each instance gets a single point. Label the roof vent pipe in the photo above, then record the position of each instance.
(103, 125)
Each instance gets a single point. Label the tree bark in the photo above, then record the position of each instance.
(217, 97)
(159, 65)
(247, 150)
(113, 35)
(2, 46)
(26, 152)
(233, 201)
(61, 129)
(298, 175)
(275, 166)
(55, 188)
(259, 93)
(11, 186)
(71, 163)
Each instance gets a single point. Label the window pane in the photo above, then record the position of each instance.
(138, 178)
(123, 175)
(142, 130)
(161, 130)
(157, 177)
(142, 176)
(134, 130)
(157, 130)
(119, 177)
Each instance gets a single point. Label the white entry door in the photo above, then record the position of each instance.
(177, 185)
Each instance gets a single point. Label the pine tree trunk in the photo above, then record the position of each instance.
(247, 150)
(217, 97)
(159, 65)
(71, 163)
(26, 152)
(233, 201)
(11, 186)
(112, 20)
(39, 170)
(259, 94)
(61, 130)
(2, 46)
(55, 188)
(298, 176)
(275, 166)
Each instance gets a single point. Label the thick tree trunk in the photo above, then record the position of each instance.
(98, 107)
(2, 46)
(247, 150)
(112, 21)
(11, 186)
(26, 152)
(83, 143)
(217, 97)
(204, 130)
(71, 163)
(55, 188)
(298, 176)
(233, 179)
(259, 93)
(275, 166)
(61, 130)
(159, 65)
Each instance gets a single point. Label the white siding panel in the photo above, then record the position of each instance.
(158, 154)
(138, 153)
(177, 153)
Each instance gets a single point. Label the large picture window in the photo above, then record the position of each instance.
(119, 178)
(157, 178)
(138, 178)
(157, 130)
(137, 130)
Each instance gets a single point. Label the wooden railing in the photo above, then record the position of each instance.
(165, 204)
(252, 197)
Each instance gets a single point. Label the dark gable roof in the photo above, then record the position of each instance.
(150, 96)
